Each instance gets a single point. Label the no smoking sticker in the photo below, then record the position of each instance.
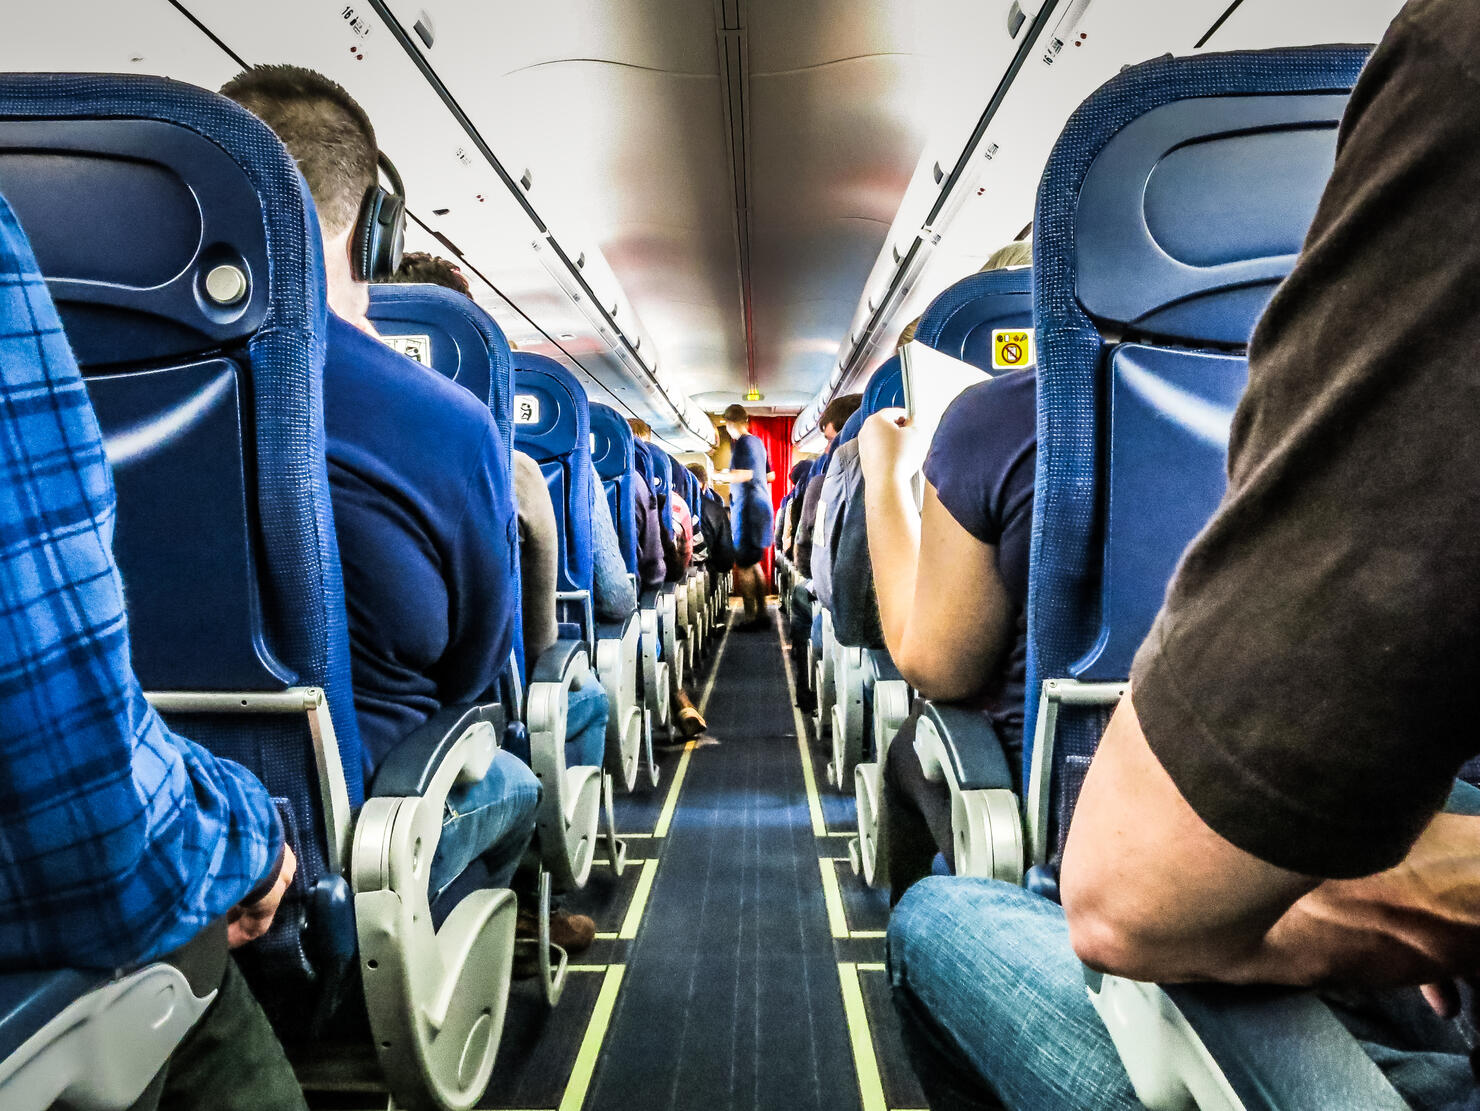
(1012, 348)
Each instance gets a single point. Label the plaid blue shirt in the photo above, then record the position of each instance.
(119, 840)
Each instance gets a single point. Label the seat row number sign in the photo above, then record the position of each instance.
(526, 408)
(1012, 348)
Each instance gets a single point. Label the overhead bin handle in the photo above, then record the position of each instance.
(1021, 14)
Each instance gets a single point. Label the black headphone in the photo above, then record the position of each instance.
(380, 229)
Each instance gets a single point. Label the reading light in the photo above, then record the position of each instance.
(754, 394)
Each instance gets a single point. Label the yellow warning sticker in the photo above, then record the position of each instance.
(1012, 348)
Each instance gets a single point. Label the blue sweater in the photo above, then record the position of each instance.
(428, 534)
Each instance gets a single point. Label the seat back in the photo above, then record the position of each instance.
(182, 250)
(450, 333)
(441, 329)
(614, 455)
(1175, 201)
(552, 424)
(964, 320)
(663, 484)
(885, 389)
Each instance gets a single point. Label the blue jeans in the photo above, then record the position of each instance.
(585, 725)
(487, 828)
(995, 1013)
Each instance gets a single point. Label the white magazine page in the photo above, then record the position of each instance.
(931, 382)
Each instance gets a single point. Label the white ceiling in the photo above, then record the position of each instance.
(615, 110)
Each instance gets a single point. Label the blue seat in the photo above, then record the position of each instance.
(654, 664)
(673, 616)
(958, 748)
(961, 320)
(615, 458)
(614, 455)
(450, 333)
(1175, 201)
(885, 390)
(182, 248)
(552, 425)
(442, 329)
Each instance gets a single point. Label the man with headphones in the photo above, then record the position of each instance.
(423, 501)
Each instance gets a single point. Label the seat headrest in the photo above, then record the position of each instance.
(1200, 181)
(550, 414)
(960, 322)
(445, 330)
(885, 389)
(150, 204)
(613, 447)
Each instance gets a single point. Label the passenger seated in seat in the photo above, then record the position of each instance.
(952, 580)
(1264, 806)
(120, 841)
(422, 502)
(588, 707)
(714, 525)
(657, 556)
(421, 268)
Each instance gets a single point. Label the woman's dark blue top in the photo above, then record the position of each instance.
(751, 520)
(981, 463)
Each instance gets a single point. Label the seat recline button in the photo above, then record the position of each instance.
(226, 284)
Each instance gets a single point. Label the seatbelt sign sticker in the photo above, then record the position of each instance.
(413, 347)
(1012, 348)
(526, 408)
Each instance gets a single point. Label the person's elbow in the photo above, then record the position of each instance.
(1109, 936)
(935, 674)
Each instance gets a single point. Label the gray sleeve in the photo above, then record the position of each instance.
(537, 555)
(615, 597)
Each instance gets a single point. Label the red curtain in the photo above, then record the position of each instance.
(775, 434)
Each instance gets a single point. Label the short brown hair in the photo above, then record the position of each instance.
(839, 409)
(428, 269)
(324, 129)
(736, 414)
(701, 472)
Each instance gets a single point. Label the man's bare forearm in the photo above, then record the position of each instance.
(1414, 924)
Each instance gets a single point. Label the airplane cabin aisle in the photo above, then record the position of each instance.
(738, 962)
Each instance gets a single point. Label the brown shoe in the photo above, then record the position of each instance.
(691, 723)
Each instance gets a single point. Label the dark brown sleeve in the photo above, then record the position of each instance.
(1309, 684)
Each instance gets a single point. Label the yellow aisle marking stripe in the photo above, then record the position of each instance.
(866, 934)
(833, 897)
(601, 1018)
(639, 900)
(870, 967)
(607, 936)
(865, 1064)
(604, 863)
(814, 804)
(670, 804)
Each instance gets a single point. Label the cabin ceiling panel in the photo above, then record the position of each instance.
(614, 110)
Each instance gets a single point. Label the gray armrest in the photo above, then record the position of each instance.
(409, 767)
(94, 1039)
(29, 1000)
(616, 630)
(976, 755)
(1255, 1048)
(555, 661)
